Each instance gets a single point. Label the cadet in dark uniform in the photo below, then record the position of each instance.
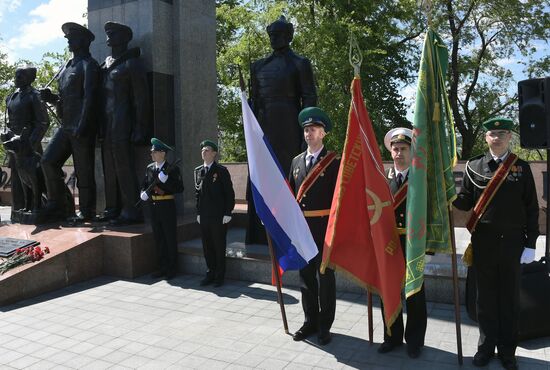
(25, 110)
(126, 116)
(398, 142)
(318, 173)
(168, 182)
(215, 202)
(504, 236)
(77, 108)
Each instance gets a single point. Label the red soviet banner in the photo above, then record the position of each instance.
(361, 237)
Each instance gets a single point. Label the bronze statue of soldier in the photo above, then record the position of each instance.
(125, 105)
(26, 116)
(281, 86)
(76, 107)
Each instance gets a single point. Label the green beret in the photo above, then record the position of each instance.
(314, 116)
(498, 123)
(159, 146)
(209, 143)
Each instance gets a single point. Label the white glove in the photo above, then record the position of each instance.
(198, 219)
(226, 219)
(144, 196)
(528, 255)
(163, 177)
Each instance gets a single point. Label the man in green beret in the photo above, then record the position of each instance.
(504, 227)
(162, 181)
(312, 178)
(215, 202)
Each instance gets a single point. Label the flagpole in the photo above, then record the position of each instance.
(275, 268)
(369, 313)
(455, 289)
(355, 59)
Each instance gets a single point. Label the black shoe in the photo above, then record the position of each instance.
(508, 362)
(218, 283)
(206, 281)
(324, 337)
(305, 331)
(386, 347)
(482, 358)
(170, 275)
(158, 274)
(413, 351)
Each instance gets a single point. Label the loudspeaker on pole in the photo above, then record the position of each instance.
(534, 113)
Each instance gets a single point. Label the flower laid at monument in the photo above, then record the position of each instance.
(23, 256)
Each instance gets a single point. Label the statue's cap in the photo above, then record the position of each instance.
(314, 116)
(73, 29)
(158, 146)
(119, 27)
(281, 25)
(498, 123)
(398, 135)
(209, 143)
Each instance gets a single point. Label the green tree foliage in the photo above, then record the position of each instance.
(484, 37)
(322, 30)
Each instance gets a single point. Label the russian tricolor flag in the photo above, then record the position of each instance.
(275, 204)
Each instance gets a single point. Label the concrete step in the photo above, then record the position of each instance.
(252, 263)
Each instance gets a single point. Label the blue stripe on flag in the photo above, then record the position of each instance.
(286, 253)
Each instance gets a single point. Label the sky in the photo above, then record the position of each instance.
(30, 28)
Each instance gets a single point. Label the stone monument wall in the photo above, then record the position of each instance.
(178, 44)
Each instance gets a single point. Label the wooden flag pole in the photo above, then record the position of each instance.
(455, 289)
(369, 312)
(275, 268)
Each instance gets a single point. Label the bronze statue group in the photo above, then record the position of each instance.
(497, 185)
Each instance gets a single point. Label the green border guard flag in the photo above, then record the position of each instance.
(431, 182)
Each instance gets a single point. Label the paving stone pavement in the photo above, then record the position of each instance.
(146, 323)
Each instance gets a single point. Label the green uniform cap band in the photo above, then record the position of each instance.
(314, 116)
(159, 146)
(209, 143)
(498, 123)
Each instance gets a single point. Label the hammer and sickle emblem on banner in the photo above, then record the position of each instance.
(378, 206)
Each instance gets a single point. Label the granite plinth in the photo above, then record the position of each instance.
(79, 254)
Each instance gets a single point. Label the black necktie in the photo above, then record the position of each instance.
(310, 164)
(399, 180)
(498, 161)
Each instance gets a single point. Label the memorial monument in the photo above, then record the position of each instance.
(28, 118)
(124, 122)
(281, 86)
(76, 106)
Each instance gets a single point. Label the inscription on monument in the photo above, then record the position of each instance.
(9, 245)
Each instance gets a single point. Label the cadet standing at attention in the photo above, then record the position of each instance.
(167, 182)
(312, 178)
(215, 202)
(504, 227)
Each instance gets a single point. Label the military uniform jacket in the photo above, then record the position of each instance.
(173, 184)
(125, 98)
(514, 205)
(401, 211)
(26, 109)
(214, 193)
(78, 83)
(319, 195)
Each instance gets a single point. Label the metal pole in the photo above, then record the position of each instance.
(275, 268)
(455, 289)
(369, 312)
